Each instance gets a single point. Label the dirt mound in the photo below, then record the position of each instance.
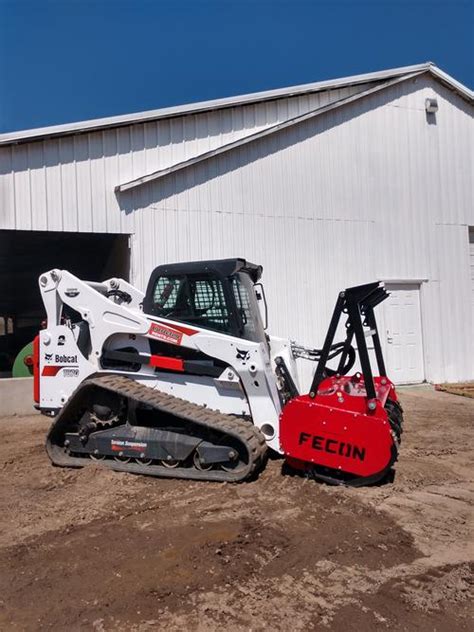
(429, 591)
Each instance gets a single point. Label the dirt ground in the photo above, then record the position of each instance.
(96, 550)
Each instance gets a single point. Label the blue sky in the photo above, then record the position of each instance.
(71, 60)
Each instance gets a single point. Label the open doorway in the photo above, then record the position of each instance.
(24, 255)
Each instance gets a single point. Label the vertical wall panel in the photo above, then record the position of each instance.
(68, 184)
(151, 147)
(111, 175)
(83, 183)
(53, 185)
(22, 186)
(7, 189)
(125, 170)
(97, 166)
(39, 214)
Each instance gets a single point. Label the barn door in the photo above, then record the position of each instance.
(403, 334)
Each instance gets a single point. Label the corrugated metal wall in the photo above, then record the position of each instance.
(68, 183)
(370, 190)
(471, 259)
(373, 190)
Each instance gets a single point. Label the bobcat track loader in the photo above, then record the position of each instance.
(183, 381)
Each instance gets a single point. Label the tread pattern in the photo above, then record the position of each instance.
(206, 419)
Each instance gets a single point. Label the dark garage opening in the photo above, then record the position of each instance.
(24, 255)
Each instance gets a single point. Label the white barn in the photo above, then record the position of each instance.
(326, 185)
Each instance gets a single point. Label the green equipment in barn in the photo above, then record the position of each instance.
(23, 365)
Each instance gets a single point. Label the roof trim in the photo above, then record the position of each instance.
(205, 106)
(179, 166)
(451, 82)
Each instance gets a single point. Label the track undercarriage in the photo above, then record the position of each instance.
(130, 427)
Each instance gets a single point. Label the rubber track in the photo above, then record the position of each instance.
(240, 429)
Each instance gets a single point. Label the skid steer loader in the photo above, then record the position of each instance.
(183, 381)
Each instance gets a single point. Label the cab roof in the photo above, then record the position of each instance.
(223, 267)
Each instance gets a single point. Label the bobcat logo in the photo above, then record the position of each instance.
(48, 357)
(242, 354)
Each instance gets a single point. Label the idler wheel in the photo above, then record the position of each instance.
(199, 465)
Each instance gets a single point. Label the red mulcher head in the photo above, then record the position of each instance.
(347, 430)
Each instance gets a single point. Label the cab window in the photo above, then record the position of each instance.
(191, 299)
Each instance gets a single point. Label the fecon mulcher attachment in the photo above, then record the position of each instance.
(184, 382)
(348, 428)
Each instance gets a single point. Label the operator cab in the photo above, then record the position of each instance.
(218, 295)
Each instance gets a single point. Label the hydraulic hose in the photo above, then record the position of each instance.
(335, 350)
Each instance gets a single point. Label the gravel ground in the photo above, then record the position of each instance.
(96, 550)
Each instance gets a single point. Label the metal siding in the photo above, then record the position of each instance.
(369, 190)
(53, 186)
(454, 306)
(7, 189)
(72, 187)
(111, 173)
(38, 187)
(471, 264)
(83, 183)
(68, 185)
(98, 197)
(125, 166)
(21, 185)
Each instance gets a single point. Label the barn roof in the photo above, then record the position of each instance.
(206, 106)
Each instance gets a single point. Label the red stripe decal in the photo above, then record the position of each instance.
(162, 362)
(122, 448)
(36, 374)
(51, 371)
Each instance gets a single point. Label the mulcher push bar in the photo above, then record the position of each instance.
(358, 303)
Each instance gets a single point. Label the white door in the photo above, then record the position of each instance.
(403, 337)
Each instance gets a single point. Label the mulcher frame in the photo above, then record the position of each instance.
(358, 303)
